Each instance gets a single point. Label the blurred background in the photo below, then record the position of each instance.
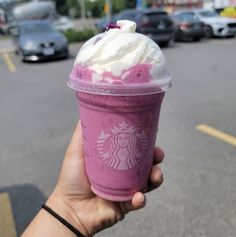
(39, 41)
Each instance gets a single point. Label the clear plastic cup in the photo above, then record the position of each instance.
(119, 126)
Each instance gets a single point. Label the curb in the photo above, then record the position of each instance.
(7, 50)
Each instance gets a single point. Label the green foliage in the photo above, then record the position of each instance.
(119, 5)
(78, 36)
(72, 3)
(131, 3)
(69, 7)
(4, 37)
(95, 8)
(73, 8)
(62, 7)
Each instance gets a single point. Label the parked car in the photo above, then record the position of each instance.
(215, 25)
(44, 10)
(3, 22)
(63, 23)
(102, 23)
(37, 40)
(156, 24)
(188, 27)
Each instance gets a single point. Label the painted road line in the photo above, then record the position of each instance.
(7, 225)
(217, 134)
(11, 66)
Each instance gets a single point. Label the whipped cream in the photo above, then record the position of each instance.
(117, 51)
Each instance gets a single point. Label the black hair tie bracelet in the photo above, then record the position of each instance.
(62, 220)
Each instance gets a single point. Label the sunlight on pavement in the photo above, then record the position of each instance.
(7, 224)
(217, 134)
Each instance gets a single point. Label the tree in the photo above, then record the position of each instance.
(61, 7)
(118, 5)
(73, 8)
(131, 3)
(95, 8)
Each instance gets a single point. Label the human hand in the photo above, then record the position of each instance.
(74, 200)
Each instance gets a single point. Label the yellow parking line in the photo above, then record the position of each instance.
(7, 225)
(11, 66)
(217, 134)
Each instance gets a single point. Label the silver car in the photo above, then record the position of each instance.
(215, 25)
(36, 40)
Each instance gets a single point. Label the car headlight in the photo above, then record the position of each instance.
(29, 45)
(220, 25)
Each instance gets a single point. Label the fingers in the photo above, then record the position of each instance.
(158, 155)
(156, 179)
(156, 176)
(138, 201)
(76, 140)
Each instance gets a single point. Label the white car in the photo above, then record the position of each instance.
(63, 24)
(215, 25)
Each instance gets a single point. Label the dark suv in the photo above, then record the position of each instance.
(156, 24)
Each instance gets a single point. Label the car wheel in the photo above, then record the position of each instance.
(66, 54)
(208, 32)
(21, 55)
(165, 43)
(196, 39)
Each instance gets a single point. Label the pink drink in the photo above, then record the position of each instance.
(119, 135)
(120, 80)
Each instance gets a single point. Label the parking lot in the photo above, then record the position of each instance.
(197, 131)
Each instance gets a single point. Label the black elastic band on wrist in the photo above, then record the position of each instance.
(62, 220)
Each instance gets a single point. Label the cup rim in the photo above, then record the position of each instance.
(131, 89)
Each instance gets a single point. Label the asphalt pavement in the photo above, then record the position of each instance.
(197, 131)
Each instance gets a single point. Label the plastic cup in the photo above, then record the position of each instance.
(119, 126)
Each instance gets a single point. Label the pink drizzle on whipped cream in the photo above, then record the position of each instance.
(112, 26)
(81, 73)
(139, 73)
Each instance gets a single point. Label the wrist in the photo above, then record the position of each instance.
(61, 205)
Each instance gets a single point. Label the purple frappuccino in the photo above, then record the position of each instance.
(120, 80)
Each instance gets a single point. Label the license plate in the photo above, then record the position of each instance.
(48, 51)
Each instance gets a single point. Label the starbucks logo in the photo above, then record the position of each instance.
(123, 147)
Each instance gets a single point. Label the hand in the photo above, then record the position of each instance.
(74, 200)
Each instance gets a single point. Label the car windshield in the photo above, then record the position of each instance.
(153, 17)
(187, 17)
(35, 28)
(128, 15)
(208, 14)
